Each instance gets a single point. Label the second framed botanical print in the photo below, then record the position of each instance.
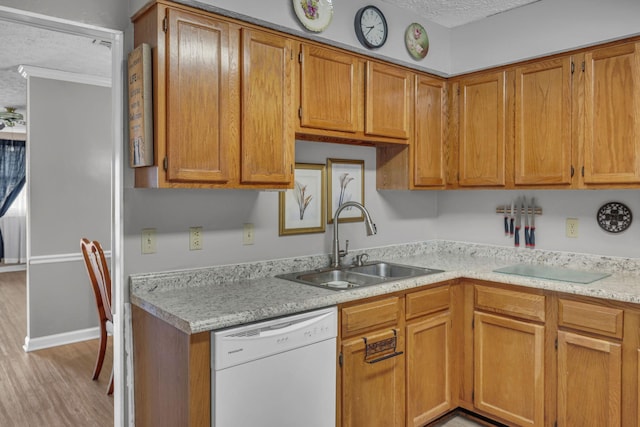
(302, 210)
(345, 184)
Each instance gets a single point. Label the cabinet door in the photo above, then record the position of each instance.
(372, 391)
(543, 123)
(509, 369)
(427, 158)
(331, 90)
(592, 399)
(389, 101)
(268, 138)
(482, 130)
(200, 51)
(612, 115)
(428, 368)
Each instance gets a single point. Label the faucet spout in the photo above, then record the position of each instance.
(370, 227)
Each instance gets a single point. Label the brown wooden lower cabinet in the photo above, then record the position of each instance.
(428, 368)
(589, 381)
(509, 369)
(373, 386)
(427, 357)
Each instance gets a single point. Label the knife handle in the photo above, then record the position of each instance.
(516, 241)
(532, 237)
(506, 225)
(511, 227)
(527, 238)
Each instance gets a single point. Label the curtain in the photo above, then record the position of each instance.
(12, 175)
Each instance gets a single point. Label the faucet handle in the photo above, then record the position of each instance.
(361, 259)
(343, 252)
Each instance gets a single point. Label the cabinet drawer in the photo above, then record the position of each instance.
(427, 301)
(514, 303)
(376, 314)
(590, 318)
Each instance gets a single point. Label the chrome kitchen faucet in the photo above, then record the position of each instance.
(371, 230)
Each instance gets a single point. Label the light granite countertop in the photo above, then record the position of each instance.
(212, 298)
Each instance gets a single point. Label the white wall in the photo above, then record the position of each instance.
(541, 28)
(69, 191)
(401, 216)
(111, 14)
(341, 30)
(470, 216)
(538, 29)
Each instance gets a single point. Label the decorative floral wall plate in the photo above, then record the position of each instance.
(614, 217)
(315, 15)
(416, 40)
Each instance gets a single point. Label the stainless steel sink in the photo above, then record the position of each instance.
(390, 270)
(372, 273)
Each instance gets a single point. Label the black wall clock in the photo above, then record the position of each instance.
(371, 27)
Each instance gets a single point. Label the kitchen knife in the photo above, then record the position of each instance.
(506, 220)
(525, 208)
(516, 239)
(511, 213)
(532, 231)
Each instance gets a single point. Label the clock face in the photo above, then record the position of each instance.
(371, 27)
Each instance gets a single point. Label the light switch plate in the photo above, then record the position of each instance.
(148, 241)
(247, 234)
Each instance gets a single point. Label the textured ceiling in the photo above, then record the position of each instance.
(452, 13)
(27, 45)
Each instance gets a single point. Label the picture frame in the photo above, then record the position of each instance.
(302, 209)
(345, 183)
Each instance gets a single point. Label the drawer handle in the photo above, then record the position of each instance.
(382, 346)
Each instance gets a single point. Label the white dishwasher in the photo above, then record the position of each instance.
(277, 373)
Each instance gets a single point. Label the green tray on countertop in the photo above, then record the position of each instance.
(553, 273)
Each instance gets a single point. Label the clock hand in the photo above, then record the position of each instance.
(370, 28)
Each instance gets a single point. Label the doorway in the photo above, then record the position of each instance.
(56, 26)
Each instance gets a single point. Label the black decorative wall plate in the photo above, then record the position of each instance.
(614, 217)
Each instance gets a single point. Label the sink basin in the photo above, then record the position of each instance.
(392, 271)
(352, 277)
(333, 279)
(339, 279)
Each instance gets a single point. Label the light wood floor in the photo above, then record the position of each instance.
(50, 387)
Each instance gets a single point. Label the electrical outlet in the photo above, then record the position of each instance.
(148, 240)
(195, 238)
(572, 227)
(247, 234)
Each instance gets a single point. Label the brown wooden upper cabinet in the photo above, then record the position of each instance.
(331, 89)
(543, 123)
(199, 84)
(482, 131)
(223, 98)
(268, 120)
(427, 158)
(612, 115)
(346, 97)
(389, 101)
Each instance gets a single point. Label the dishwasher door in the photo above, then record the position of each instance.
(279, 373)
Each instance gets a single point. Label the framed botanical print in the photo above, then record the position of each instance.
(302, 210)
(345, 184)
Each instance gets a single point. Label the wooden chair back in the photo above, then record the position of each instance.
(98, 271)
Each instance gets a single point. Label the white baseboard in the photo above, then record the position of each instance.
(6, 268)
(39, 343)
